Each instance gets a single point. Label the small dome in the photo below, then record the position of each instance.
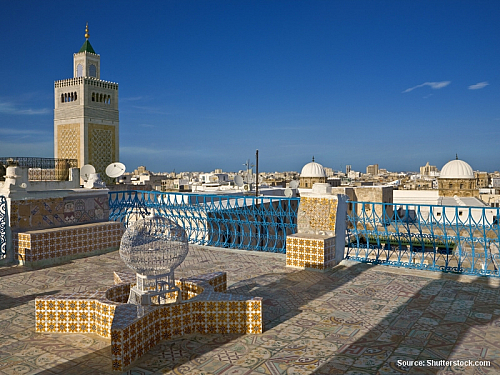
(313, 169)
(457, 169)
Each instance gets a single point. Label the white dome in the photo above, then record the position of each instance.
(313, 169)
(457, 169)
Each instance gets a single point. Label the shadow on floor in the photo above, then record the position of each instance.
(10, 302)
(284, 295)
(445, 320)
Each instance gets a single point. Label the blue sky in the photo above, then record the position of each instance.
(203, 84)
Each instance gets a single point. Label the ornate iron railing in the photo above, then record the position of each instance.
(3, 227)
(237, 222)
(40, 169)
(446, 238)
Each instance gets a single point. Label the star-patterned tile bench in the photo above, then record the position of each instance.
(205, 309)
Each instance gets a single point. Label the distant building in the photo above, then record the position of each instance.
(86, 114)
(312, 173)
(372, 169)
(483, 179)
(457, 179)
(175, 184)
(141, 170)
(429, 170)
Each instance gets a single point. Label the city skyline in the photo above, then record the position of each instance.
(202, 85)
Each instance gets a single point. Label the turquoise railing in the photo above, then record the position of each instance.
(238, 222)
(458, 239)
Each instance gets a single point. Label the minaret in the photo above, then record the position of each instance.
(86, 125)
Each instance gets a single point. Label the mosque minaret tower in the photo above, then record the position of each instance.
(86, 121)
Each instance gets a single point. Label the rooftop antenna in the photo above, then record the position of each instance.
(86, 171)
(238, 180)
(115, 170)
(249, 171)
(257, 173)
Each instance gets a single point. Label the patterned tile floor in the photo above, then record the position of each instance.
(353, 319)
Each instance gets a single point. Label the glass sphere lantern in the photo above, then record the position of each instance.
(153, 248)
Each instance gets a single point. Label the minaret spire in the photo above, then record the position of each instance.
(87, 31)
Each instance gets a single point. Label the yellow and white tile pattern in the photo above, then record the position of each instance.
(207, 311)
(310, 251)
(321, 213)
(51, 245)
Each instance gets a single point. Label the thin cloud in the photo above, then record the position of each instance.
(477, 86)
(11, 109)
(433, 85)
(131, 99)
(21, 132)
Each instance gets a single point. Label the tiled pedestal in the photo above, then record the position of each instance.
(107, 314)
(310, 251)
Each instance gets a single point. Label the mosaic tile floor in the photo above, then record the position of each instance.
(354, 319)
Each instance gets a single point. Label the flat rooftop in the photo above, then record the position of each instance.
(353, 319)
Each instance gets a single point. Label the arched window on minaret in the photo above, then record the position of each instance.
(93, 96)
(76, 95)
(93, 71)
(62, 98)
(79, 70)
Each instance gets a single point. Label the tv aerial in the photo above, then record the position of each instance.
(294, 184)
(238, 180)
(86, 171)
(288, 193)
(115, 170)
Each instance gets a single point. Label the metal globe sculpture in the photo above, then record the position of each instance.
(154, 247)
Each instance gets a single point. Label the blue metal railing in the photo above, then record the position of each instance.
(447, 238)
(3, 227)
(238, 222)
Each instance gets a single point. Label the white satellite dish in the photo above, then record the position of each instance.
(238, 180)
(294, 184)
(86, 171)
(288, 193)
(115, 170)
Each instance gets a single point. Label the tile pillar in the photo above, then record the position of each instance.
(321, 223)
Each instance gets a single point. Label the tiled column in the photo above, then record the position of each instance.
(320, 241)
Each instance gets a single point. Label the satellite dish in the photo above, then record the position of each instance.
(238, 180)
(294, 184)
(115, 170)
(86, 171)
(288, 193)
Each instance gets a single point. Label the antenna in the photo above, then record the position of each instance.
(115, 170)
(238, 180)
(249, 171)
(288, 193)
(294, 184)
(86, 171)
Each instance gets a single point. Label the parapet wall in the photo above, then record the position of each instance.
(73, 209)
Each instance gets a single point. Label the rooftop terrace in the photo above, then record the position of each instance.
(353, 319)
